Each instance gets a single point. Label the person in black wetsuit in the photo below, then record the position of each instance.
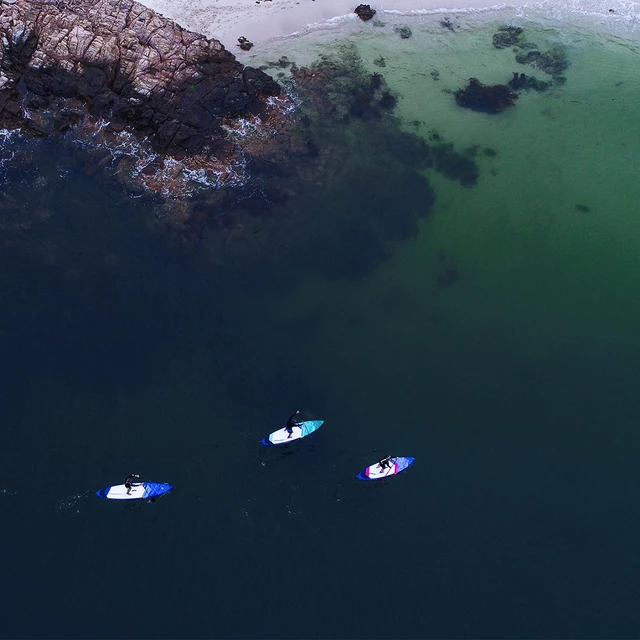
(128, 483)
(385, 463)
(291, 422)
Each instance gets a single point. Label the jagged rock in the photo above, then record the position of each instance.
(365, 12)
(481, 97)
(118, 60)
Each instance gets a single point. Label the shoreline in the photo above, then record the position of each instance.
(262, 21)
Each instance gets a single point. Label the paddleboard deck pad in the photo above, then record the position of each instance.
(376, 472)
(282, 435)
(139, 491)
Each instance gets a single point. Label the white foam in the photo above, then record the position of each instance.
(8, 134)
(9, 149)
(268, 21)
(442, 12)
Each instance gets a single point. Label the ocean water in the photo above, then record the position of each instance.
(496, 342)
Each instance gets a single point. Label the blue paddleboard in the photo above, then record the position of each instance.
(139, 491)
(376, 472)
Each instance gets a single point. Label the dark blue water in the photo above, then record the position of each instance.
(122, 352)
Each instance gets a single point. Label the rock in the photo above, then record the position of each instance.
(490, 99)
(78, 62)
(405, 32)
(244, 44)
(365, 12)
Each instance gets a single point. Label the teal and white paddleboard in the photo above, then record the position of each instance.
(282, 436)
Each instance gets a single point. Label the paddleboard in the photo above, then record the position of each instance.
(139, 491)
(376, 472)
(281, 436)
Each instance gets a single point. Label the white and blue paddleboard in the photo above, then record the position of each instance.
(376, 472)
(139, 491)
(281, 436)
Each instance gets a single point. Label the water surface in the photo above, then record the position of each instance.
(497, 345)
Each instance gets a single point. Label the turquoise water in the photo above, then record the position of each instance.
(498, 346)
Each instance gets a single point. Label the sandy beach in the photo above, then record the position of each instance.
(264, 20)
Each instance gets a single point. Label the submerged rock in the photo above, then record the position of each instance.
(507, 36)
(404, 32)
(455, 166)
(388, 101)
(553, 62)
(522, 81)
(481, 97)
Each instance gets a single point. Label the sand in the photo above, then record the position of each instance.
(264, 20)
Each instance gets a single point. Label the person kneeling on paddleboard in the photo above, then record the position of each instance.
(128, 483)
(292, 423)
(385, 463)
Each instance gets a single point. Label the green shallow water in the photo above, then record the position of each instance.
(499, 347)
(543, 284)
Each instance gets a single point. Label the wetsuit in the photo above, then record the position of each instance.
(385, 463)
(291, 422)
(128, 483)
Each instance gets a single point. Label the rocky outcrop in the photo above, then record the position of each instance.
(364, 12)
(331, 193)
(91, 62)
